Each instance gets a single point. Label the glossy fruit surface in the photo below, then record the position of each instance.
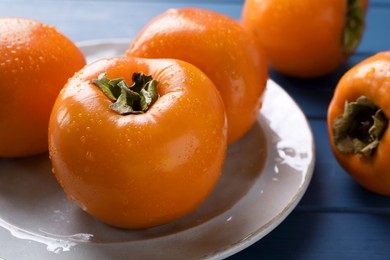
(306, 38)
(35, 63)
(219, 46)
(358, 123)
(141, 169)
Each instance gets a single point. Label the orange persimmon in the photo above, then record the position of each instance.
(306, 38)
(219, 46)
(358, 123)
(35, 63)
(139, 156)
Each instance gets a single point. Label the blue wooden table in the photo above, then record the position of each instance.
(336, 218)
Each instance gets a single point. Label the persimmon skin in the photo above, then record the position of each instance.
(139, 170)
(301, 38)
(369, 78)
(35, 63)
(219, 46)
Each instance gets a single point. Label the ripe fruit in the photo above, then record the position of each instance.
(35, 63)
(306, 38)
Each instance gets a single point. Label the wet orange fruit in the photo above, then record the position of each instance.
(35, 63)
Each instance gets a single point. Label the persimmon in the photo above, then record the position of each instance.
(358, 123)
(219, 46)
(306, 38)
(36, 61)
(138, 142)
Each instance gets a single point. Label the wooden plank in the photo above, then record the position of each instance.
(323, 236)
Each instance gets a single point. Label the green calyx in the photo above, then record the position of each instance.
(359, 129)
(134, 99)
(354, 26)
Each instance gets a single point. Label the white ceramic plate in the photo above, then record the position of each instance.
(264, 177)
